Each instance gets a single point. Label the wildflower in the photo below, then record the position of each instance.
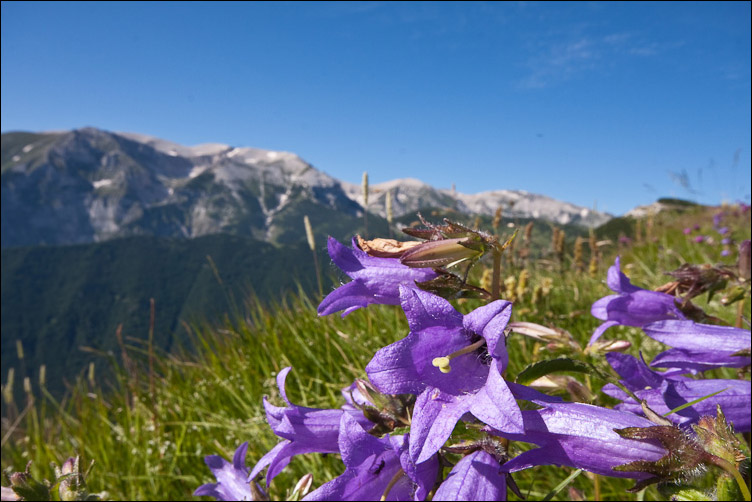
(477, 476)
(700, 347)
(664, 392)
(232, 478)
(699, 238)
(632, 306)
(303, 430)
(581, 436)
(454, 364)
(376, 468)
(375, 280)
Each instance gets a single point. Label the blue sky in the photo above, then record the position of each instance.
(614, 104)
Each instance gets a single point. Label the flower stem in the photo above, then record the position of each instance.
(496, 277)
(597, 487)
(731, 469)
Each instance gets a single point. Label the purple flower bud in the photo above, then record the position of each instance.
(699, 239)
(687, 231)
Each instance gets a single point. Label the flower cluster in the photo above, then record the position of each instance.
(395, 433)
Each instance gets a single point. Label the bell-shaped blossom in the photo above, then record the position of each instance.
(471, 383)
(232, 478)
(700, 347)
(582, 436)
(666, 392)
(734, 400)
(375, 468)
(635, 373)
(303, 430)
(632, 306)
(375, 280)
(477, 476)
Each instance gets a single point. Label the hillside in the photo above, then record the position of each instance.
(57, 299)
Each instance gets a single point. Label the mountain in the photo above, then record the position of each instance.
(410, 195)
(90, 185)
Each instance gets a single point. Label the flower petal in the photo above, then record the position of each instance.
(477, 476)
(600, 330)
(434, 417)
(489, 321)
(495, 405)
(425, 310)
(617, 281)
(693, 336)
(582, 436)
(698, 360)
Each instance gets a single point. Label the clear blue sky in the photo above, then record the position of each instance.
(614, 103)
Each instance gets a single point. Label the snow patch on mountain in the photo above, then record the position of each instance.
(410, 195)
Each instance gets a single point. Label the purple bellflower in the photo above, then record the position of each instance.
(375, 280)
(667, 391)
(419, 364)
(477, 476)
(376, 468)
(700, 347)
(632, 306)
(636, 375)
(232, 478)
(582, 436)
(303, 430)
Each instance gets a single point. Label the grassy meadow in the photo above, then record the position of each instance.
(147, 430)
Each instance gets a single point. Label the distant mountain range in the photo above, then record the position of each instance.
(90, 185)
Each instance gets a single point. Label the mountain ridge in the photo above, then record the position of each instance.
(92, 185)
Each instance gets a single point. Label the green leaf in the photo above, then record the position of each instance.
(562, 485)
(543, 368)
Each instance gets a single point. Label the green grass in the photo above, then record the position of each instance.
(148, 429)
